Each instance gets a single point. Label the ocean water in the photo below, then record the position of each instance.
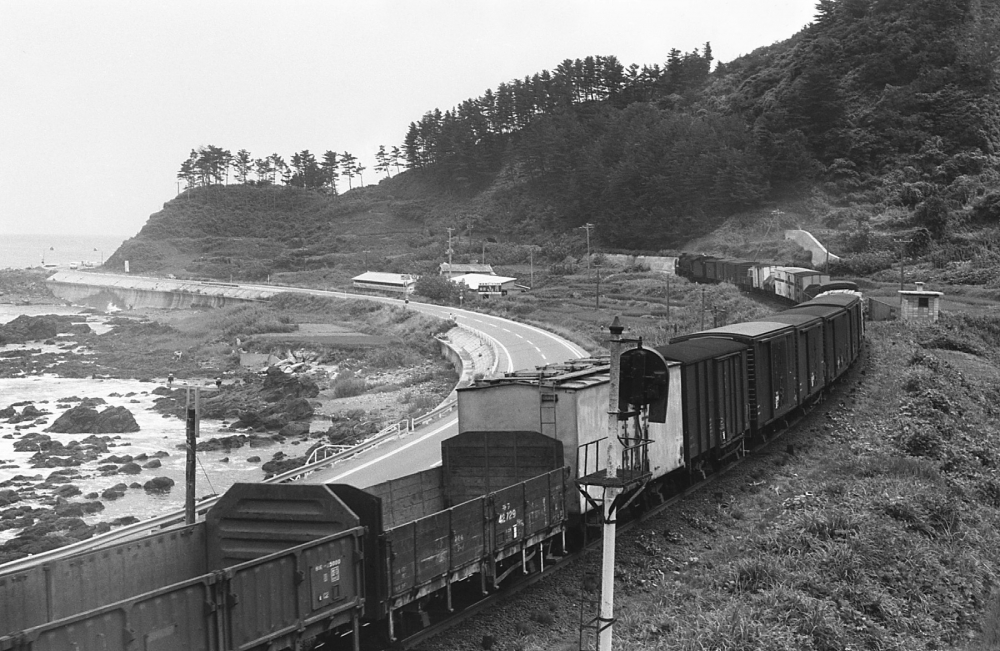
(25, 251)
(216, 471)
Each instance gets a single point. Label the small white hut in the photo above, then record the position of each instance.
(919, 304)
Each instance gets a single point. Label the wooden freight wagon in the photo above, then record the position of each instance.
(433, 529)
(274, 566)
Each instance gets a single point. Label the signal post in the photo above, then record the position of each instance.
(638, 380)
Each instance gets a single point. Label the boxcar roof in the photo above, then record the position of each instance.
(840, 300)
(793, 319)
(818, 309)
(696, 350)
(748, 330)
(796, 270)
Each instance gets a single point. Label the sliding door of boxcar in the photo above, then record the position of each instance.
(815, 366)
(699, 408)
(732, 408)
(842, 343)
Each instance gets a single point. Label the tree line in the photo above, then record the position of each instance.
(876, 103)
(212, 165)
(469, 137)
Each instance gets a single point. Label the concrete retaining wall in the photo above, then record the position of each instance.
(805, 239)
(128, 292)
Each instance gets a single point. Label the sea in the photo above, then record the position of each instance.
(216, 470)
(56, 251)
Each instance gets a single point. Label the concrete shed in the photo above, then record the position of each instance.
(919, 304)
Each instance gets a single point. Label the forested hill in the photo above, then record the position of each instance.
(876, 101)
(877, 106)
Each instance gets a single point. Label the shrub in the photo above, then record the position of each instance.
(437, 288)
(347, 385)
(923, 441)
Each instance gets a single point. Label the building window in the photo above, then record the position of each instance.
(923, 301)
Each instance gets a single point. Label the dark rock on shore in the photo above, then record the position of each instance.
(158, 485)
(81, 419)
(39, 328)
(30, 412)
(113, 493)
(236, 441)
(281, 463)
(285, 396)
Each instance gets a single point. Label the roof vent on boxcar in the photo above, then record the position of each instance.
(644, 382)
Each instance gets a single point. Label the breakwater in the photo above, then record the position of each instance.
(129, 292)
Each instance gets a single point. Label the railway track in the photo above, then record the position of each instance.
(569, 560)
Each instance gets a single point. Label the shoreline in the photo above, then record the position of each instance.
(58, 488)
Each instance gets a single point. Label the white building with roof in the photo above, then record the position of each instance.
(385, 282)
(489, 284)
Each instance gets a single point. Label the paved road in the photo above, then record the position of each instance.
(519, 346)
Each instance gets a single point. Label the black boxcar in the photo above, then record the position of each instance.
(714, 269)
(810, 351)
(698, 267)
(715, 396)
(843, 329)
(771, 363)
(738, 273)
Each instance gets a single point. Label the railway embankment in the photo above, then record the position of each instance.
(872, 523)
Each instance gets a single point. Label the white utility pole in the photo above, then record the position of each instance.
(611, 491)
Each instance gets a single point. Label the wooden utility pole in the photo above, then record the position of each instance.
(587, 228)
(450, 251)
(597, 302)
(902, 280)
(668, 299)
(192, 421)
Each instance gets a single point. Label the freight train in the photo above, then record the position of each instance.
(281, 565)
(793, 284)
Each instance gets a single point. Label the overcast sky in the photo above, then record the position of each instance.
(101, 100)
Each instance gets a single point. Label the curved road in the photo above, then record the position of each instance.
(519, 346)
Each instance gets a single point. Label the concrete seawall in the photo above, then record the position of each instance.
(128, 292)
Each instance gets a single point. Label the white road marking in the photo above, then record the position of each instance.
(448, 423)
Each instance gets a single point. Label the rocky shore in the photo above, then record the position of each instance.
(70, 476)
